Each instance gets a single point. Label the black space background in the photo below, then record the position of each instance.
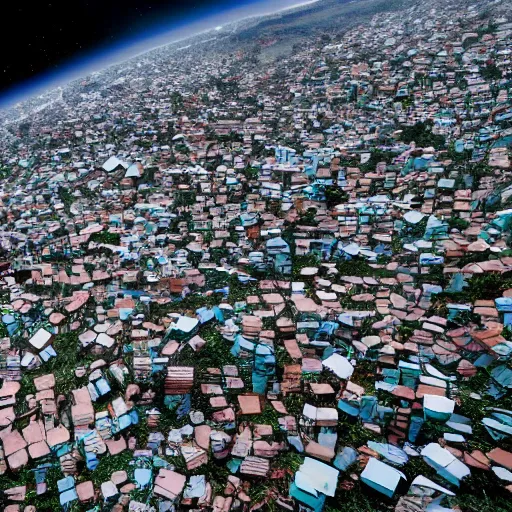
(45, 35)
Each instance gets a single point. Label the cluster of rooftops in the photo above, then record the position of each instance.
(234, 286)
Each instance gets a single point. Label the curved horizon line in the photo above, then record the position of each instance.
(159, 35)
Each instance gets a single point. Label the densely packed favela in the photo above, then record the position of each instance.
(269, 270)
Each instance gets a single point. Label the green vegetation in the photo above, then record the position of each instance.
(47, 501)
(215, 354)
(360, 267)
(481, 287)
(66, 198)
(104, 237)
(334, 196)
(251, 173)
(105, 468)
(481, 492)
(5, 173)
(491, 72)
(300, 262)
(69, 358)
(421, 133)
(458, 223)
(377, 156)
(184, 198)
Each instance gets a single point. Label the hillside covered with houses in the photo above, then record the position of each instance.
(271, 279)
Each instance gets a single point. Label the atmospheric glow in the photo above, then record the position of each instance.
(153, 37)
